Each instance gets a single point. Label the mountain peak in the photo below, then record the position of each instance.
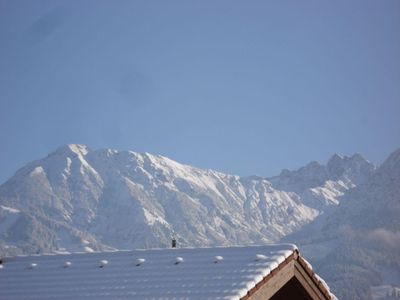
(343, 160)
(392, 164)
(355, 157)
(336, 159)
(359, 159)
(394, 158)
(313, 165)
(77, 149)
(355, 167)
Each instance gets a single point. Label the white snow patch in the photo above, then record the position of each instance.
(32, 266)
(140, 261)
(261, 257)
(307, 263)
(103, 263)
(333, 296)
(37, 171)
(88, 249)
(67, 170)
(78, 149)
(10, 209)
(322, 282)
(218, 258)
(178, 260)
(151, 218)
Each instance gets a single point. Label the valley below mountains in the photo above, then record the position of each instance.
(344, 216)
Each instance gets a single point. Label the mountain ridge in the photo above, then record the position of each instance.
(74, 187)
(77, 199)
(355, 247)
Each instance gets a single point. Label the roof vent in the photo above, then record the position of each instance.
(178, 260)
(67, 264)
(140, 261)
(260, 257)
(103, 263)
(32, 266)
(217, 259)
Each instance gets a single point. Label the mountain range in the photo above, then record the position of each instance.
(356, 246)
(78, 199)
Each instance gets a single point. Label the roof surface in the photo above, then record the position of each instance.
(201, 273)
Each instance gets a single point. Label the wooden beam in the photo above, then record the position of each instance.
(308, 283)
(293, 267)
(274, 283)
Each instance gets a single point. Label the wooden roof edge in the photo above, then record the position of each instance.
(291, 257)
(321, 285)
(305, 265)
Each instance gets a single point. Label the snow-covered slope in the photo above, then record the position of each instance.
(344, 216)
(78, 199)
(356, 246)
(320, 186)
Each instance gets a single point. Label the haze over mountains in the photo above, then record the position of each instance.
(77, 199)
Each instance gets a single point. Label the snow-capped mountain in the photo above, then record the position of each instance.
(78, 199)
(343, 215)
(320, 186)
(355, 247)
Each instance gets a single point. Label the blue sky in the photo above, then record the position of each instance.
(245, 87)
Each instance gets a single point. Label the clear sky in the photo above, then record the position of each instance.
(245, 87)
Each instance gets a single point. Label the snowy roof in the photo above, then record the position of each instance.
(201, 273)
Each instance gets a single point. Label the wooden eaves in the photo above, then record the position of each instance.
(293, 267)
